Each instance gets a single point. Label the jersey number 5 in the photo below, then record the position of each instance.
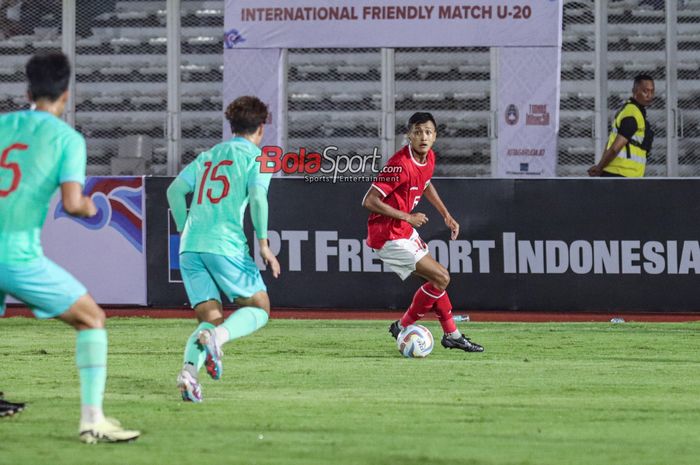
(210, 175)
(14, 167)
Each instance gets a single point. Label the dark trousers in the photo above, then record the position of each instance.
(605, 174)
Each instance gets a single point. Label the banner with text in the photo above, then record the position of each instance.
(542, 244)
(528, 111)
(391, 23)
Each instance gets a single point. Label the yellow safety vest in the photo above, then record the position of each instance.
(632, 159)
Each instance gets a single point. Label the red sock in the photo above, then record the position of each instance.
(443, 309)
(423, 300)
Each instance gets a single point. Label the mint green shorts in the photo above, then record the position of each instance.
(207, 275)
(45, 287)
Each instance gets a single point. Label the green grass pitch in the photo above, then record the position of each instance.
(338, 392)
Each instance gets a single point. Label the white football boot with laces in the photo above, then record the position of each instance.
(107, 430)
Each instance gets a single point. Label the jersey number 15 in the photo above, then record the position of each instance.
(210, 175)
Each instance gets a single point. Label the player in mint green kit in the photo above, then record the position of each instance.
(38, 154)
(214, 255)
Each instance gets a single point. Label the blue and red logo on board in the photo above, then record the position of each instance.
(512, 114)
(119, 202)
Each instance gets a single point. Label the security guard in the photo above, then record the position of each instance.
(630, 141)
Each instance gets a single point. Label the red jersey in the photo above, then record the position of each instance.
(401, 182)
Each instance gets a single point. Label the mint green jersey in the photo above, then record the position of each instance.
(38, 152)
(219, 180)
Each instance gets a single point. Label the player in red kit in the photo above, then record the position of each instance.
(391, 229)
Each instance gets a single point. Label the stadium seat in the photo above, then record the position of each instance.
(115, 71)
(153, 70)
(158, 41)
(474, 68)
(352, 69)
(477, 95)
(203, 40)
(209, 13)
(427, 69)
(92, 41)
(305, 98)
(146, 100)
(305, 70)
(125, 42)
(347, 98)
(107, 100)
(131, 15)
(428, 96)
(648, 15)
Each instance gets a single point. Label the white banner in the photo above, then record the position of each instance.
(107, 252)
(391, 23)
(528, 111)
(259, 73)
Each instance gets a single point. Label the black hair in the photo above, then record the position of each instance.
(48, 75)
(420, 117)
(641, 77)
(246, 114)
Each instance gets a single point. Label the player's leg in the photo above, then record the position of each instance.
(52, 292)
(205, 298)
(209, 314)
(429, 293)
(253, 315)
(434, 294)
(404, 257)
(239, 279)
(91, 357)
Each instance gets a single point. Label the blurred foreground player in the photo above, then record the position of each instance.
(214, 255)
(39, 153)
(391, 229)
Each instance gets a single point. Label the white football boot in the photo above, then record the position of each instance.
(107, 430)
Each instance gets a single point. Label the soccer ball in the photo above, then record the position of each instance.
(415, 341)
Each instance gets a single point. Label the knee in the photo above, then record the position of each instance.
(95, 319)
(89, 315)
(442, 279)
(261, 300)
(210, 311)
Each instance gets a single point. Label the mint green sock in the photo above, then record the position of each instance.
(194, 354)
(244, 321)
(91, 358)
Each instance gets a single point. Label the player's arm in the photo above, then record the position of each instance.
(74, 202)
(71, 176)
(431, 194)
(257, 195)
(177, 200)
(374, 202)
